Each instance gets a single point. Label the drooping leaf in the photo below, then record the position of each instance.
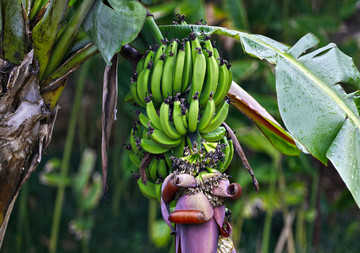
(111, 28)
(110, 95)
(266, 123)
(14, 43)
(314, 107)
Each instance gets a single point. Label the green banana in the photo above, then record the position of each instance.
(171, 49)
(158, 187)
(208, 114)
(133, 90)
(167, 76)
(195, 45)
(178, 117)
(161, 138)
(216, 55)
(162, 169)
(208, 46)
(148, 189)
(211, 79)
(142, 83)
(151, 113)
(187, 72)
(222, 88)
(159, 52)
(218, 119)
(193, 113)
(134, 159)
(155, 82)
(231, 154)
(140, 65)
(148, 58)
(199, 70)
(152, 147)
(145, 121)
(215, 135)
(166, 125)
(184, 112)
(178, 74)
(152, 168)
(134, 147)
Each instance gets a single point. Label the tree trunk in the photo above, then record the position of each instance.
(26, 124)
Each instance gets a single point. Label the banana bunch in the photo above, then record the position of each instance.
(181, 67)
(180, 88)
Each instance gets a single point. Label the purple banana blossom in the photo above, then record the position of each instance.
(199, 215)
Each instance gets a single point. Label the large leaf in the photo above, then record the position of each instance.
(112, 27)
(314, 107)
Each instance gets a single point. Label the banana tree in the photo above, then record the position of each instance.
(43, 42)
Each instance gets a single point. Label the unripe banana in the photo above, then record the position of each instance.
(152, 147)
(218, 119)
(222, 165)
(159, 52)
(208, 114)
(140, 65)
(216, 55)
(152, 168)
(187, 72)
(199, 70)
(158, 187)
(178, 74)
(134, 159)
(155, 82)
(167, 76)
(166, 125)
(151, 113)
(208, 46)
(178, 117)
(142, 83)
(148, 189)
(133, 90)
(193, 113)
(230, 156)
(215, 135)
(145, 121)
(161, 138)
(195, 43)
(222, 88)
(148, 58)
(162, 169)
(211, 78)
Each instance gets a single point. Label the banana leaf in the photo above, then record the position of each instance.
(112, 27)
(314, 106)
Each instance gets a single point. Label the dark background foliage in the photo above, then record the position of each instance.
(325, 217)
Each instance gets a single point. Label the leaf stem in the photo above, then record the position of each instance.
(63, 43)
(151, 32)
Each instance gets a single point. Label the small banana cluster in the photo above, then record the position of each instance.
(181, 91)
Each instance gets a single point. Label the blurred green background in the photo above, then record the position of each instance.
(302, 206)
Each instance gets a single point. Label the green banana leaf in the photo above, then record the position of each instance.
(314, 107)
(111, 28)
(14, 43)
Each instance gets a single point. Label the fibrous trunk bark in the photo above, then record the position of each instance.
(26, 124)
